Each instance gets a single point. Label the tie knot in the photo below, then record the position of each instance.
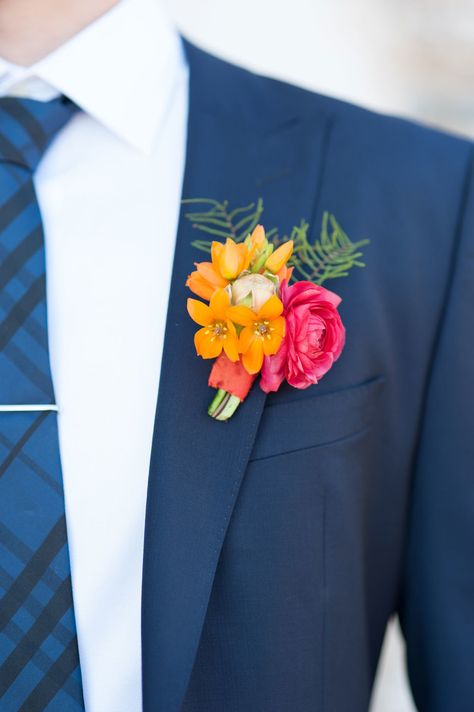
(27, 127)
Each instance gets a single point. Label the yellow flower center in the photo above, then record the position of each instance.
(218, 329)
(262, 329)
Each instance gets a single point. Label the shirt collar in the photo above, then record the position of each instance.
(122, 70)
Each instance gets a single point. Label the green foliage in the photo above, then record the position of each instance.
(330, 256)
(220, 222)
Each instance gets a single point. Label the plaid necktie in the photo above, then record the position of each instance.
(39, 660)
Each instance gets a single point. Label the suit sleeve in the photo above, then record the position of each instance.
(437, 606)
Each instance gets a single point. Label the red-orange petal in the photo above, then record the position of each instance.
(231, 377)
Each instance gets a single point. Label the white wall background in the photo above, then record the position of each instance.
(414, 57)
(410, 57)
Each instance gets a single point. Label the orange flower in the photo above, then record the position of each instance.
(262, 332)
(231, 259)
(205, 280)
(228, 261)
(218, 331)
(280, 257)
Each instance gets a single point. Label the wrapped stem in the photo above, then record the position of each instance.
(223, 405)
(232, 383)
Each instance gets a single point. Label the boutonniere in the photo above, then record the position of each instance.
(262, 307)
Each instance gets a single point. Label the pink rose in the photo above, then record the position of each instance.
(313, 341)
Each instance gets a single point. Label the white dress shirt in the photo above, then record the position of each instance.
(109, 191)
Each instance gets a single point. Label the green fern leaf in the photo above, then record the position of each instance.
(220, 222)
(331, 256)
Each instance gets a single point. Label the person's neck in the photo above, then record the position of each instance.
(31, 29)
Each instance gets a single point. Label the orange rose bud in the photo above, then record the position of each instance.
(279, 257)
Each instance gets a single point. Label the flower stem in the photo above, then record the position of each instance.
(223, 405)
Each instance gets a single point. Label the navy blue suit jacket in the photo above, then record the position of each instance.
(279, 544)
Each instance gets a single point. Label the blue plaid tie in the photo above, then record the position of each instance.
(39, 660)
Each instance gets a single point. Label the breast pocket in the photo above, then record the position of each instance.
(308, 421)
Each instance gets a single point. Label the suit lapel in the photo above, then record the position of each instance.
(234, 152)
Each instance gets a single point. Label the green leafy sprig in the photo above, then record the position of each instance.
(330, 256)
(221, 222)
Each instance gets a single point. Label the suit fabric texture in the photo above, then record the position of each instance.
(279, 544)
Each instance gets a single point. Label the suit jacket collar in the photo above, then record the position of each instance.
(244, 141)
